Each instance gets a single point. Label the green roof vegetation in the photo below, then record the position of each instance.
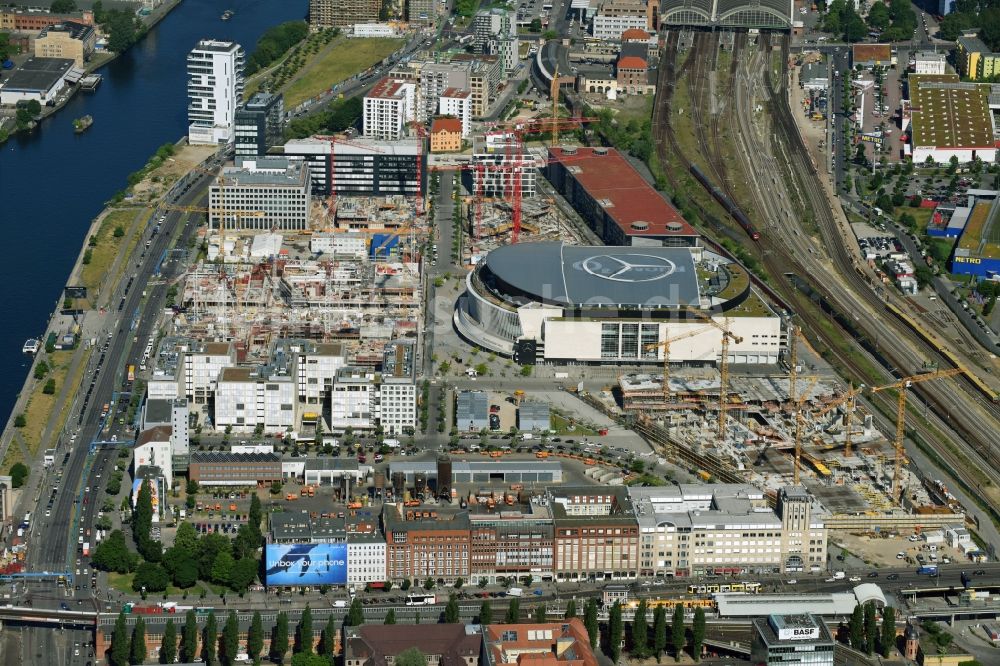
(948, 113)
(982, 232)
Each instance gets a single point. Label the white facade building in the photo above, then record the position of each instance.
(374, 30)
(365, 559)
(202, 363)
(263, 193)
(388, 107)
(458, 103)
(245, 399)
(437, 77)
(153, 448)
(929, 62)
(610, 28)
(316, 365)
(341, 245)
(352, 399)
(215, 90)
(494, 151)
(398, 392)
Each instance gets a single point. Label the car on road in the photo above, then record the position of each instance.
(791, 582)
(894, 576)
(855, 579)
(979, 572)
(873, 574)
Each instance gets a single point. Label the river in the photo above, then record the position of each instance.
(54, 182)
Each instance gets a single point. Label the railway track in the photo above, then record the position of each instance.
(779, 261)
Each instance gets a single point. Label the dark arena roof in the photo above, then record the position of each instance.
(774, 14)
(571, 275)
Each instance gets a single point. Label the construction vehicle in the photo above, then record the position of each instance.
(542, 455)
(901, 386)
(291, 497)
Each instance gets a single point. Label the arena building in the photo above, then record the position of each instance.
(773, 14)
(552, 302)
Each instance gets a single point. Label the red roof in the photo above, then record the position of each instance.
(631, 62)
(387, 88)
(635, 34)
(459, 93)
(452, 125)
(632, 203)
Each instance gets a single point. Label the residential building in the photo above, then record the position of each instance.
(514, 541)
(316, 365)
(220, 468)
(362, 168)
(596, 534)
(632, 74)
(202, 362)
(929, 62)
(484, 82)
(437, 77)
(791, 639)
(457, 103)
(262, 193)
(440, 644)
(68, 39)
(153, 449)
(564, 643)
(495, 33)
(388, 108)
(614, 17)
(397, 412)
(215, 90)
(39, 79)
(366, 548)
(246, 398)
(258, 124)
(446, 135)
(974, 58)
(501, 154)
(697, 530)
(173, 413)
(325, 14)
(419, 548)
(421, 12)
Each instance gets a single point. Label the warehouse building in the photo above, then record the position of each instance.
(220, 468)
(68, 39)
(947, 118)
(615, 200)
(39, 79)
(977, 252)
(495, 471)
(533, 416)
(552, 302)
(262, 193)
(472, 410)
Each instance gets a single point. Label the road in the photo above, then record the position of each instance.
(78, 494)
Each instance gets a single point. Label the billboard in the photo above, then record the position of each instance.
(306, 564)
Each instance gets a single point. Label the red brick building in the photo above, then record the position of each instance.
(419, 546)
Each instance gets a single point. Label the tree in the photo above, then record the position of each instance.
(888, 638)
(50, 387)
(329, 639)
(355, 615)
(189, 637)
(243, 574)
(405, 585)
(304, 632)
(411, 657)
(113, 554)
(210, 642)
(570, 609)
(429, 583)
(871, 628)
(279, 638)
(513, 612)
(698, 633)
(485, 613)
(121, 28)
(168, 644)
(390, 617)
(878, 16)
(18, 474)
(151, 577)
(590, 622)
(255, 637)
(62, 6)
(541, 614)
(186, 539)
(659, 631)
(640, 631)
(142, 517)
(677, 637)
(222, 567)
(451, 612)
(255, 515)
(119, 652)
(615, 629)
(137, 648)
(856, 629)
(41, 369)
(185, 571)
(230, 639)
(535, 26)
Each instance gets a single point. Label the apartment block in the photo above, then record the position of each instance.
(388, 108)
(249, 397)
(215, 90)
(437, 77)
(500, 153)
(421, 12)
(262, 193)
(366, 549)
(446, 135)
(325, 14)
(457, 103)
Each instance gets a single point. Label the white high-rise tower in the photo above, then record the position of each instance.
(215, 90)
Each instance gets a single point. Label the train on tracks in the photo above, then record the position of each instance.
(734, 211)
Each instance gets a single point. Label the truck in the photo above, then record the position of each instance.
(928, 570)
(515, 592)
(86, 549)
(838, 575)
(131, 374)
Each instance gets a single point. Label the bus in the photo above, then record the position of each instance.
(420, 600)
(131, 374)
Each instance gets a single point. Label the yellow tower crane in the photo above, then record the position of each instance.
(797, 406)
(666, 355)
(901, 387)
(849, 402)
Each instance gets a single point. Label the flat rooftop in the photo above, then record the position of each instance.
(946, 113)
(626, 197)
(38, 74)
(982, 231)
(871, 53)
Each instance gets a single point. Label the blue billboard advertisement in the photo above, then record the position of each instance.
(306, 564)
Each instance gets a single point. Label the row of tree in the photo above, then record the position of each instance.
(864, 633)
(895, 20)
(274, 43)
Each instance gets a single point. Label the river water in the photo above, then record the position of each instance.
(54, 182)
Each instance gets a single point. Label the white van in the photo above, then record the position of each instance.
(391, 443)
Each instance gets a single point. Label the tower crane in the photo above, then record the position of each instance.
(848, 400)
(901, 386)
(797, 406)
(727, 337)
(665, 344)
(331, 166)
(221, 213)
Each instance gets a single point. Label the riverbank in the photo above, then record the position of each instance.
(97, 61)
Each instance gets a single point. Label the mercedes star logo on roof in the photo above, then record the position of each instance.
(628, 267)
